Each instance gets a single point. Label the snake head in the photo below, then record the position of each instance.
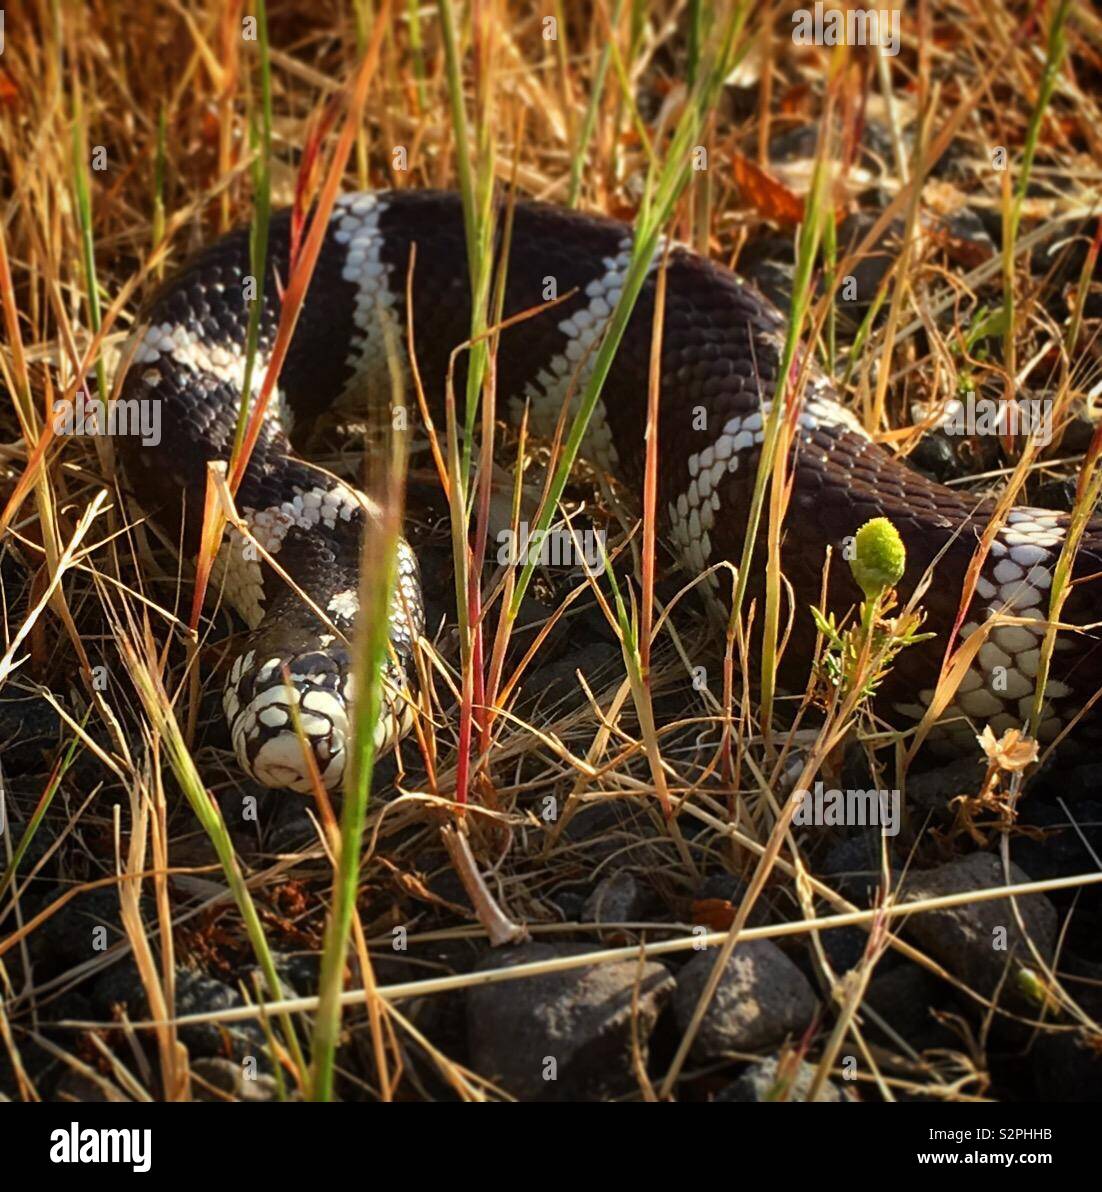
(267, 692)
(285, 706)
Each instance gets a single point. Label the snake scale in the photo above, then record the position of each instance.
(720, 355)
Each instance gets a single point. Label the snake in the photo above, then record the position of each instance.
(398, 260)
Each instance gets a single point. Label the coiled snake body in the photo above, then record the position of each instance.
(720, 355)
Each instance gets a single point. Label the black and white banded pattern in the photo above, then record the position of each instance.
(718, 372)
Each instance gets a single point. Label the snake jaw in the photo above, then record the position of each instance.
(265, 713)
(262, 709)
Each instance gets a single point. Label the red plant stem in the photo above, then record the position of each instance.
(650, 473)
(300, 279)
(471, 678)
(293, 298)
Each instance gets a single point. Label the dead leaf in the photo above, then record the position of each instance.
(769, 198)
(9, 92)
(715, 913)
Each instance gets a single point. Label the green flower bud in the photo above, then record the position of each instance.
(879, 557)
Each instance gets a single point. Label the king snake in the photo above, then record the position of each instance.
(721, 350)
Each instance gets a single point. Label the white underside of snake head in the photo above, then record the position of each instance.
(289, 719)
(284, 734)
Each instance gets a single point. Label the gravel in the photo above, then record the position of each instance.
(762, 998)
(564, 1035)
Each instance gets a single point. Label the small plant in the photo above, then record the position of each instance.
(858, 657)
(1038, 991)
(994, 808)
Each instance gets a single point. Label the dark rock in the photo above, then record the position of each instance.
(769, 263)
(78, 932)
(966, 239)
(569, 904)
(446, 884)
(253, 979)
(607, 833)
(761, 999)
(554, 687)
(853, 866)
(1081, 782)
(1067, 1067)
(31, 732)
(801, 142)
(591, 624)
(857, 772)
(618, 898)
(771, 1080)
(14, 572)
(197, 993)
(1058, 493)
(1078, 432)
(1082, 979)
(1060, 254)
(290, 827)
(870, 270)
(1062, 851)
(120, 986)
(903, 997)
(76, 1086)
(929, 792)
(936, 455)
(726, 887)
(990, 215)
(794, 144)
(600, 823)
(37, 1061)
(976, 940)
(441, 1017)
(955, 162)
(532, 618)
(577, 1023)
(301, 971)
(232, 1080)
(844, 947)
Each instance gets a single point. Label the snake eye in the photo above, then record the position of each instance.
(262, 700)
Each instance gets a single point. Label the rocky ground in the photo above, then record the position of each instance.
(954, 1002)
(929, 992)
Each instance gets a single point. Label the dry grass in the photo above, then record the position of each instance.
(688, 778)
